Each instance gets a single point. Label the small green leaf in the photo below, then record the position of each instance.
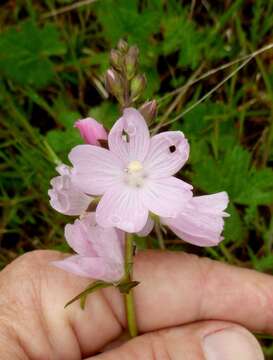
(97, 285)
(126, 286)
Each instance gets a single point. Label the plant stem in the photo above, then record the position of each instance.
(128, 298)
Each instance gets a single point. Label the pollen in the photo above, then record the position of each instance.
(134, 166)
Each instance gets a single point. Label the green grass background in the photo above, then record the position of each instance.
(52, 73)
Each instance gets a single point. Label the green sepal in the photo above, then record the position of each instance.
(97, 285)
(125, 286)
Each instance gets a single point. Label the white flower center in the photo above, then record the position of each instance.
(134, 174)
(134, 166)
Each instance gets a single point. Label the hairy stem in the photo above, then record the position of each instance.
(129, 300)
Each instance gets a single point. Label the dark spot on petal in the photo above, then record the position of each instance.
(172, 148)
(125, 136)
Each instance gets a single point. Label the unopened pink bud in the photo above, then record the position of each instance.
(91, 131)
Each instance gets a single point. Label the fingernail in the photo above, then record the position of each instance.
(230, 344)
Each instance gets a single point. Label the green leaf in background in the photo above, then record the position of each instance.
(234, 229)
(25, 53)
(106, 113)
(180, 34)
(233, 172)
(128, 20)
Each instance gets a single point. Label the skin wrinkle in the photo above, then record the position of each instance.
(205, 270)
(112, 311)
(9, 333)
(31, 291)
(159, 346)
(266, 302)
(72, 327)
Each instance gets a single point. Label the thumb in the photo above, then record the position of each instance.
(205, 340)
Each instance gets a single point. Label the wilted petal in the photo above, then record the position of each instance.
(201, 223)
(129, 138)
(167, 196)
(87, 238)
(122, 207)
(147, 228)
(77, 237)
(95, 169)
(65, 196)
(94, 268)
(91, 131)
(167, 154)
(107, 242)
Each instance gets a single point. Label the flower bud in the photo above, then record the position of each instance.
(123, 46)
(91, 131)
(116, 59)
(148, 110)
(138, 84)
(114, 84)
(131, 62)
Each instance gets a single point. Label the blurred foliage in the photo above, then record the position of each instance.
(52, 73)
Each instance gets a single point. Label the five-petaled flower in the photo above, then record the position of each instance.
(135, 176)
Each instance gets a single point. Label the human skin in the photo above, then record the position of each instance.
(183, 305)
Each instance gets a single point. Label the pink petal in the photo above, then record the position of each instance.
(137, 145)
(63, 169)
(168, 153)
(197, 240)
(77, 236)
(201, 222)
(122, 207)
(167, 196)
(91, 131)
(66, 198)
(95, 268)
(95, 169)
(212, 203)
(87, 238)
(147, 228)
(107, 242)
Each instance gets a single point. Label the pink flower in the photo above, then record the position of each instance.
(65, 197)
(201, 221)
(100, 250)
(135, 175)
(91, 131)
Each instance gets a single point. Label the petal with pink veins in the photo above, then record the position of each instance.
(129, 138)
(95, 169)
(122, 207)
(167, 154)
(167, 196)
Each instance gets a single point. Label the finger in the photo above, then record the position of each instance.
(175, 289)
(208, 340)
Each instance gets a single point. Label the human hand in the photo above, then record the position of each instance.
(187, 308)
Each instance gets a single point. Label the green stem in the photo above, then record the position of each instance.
(129, 300)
